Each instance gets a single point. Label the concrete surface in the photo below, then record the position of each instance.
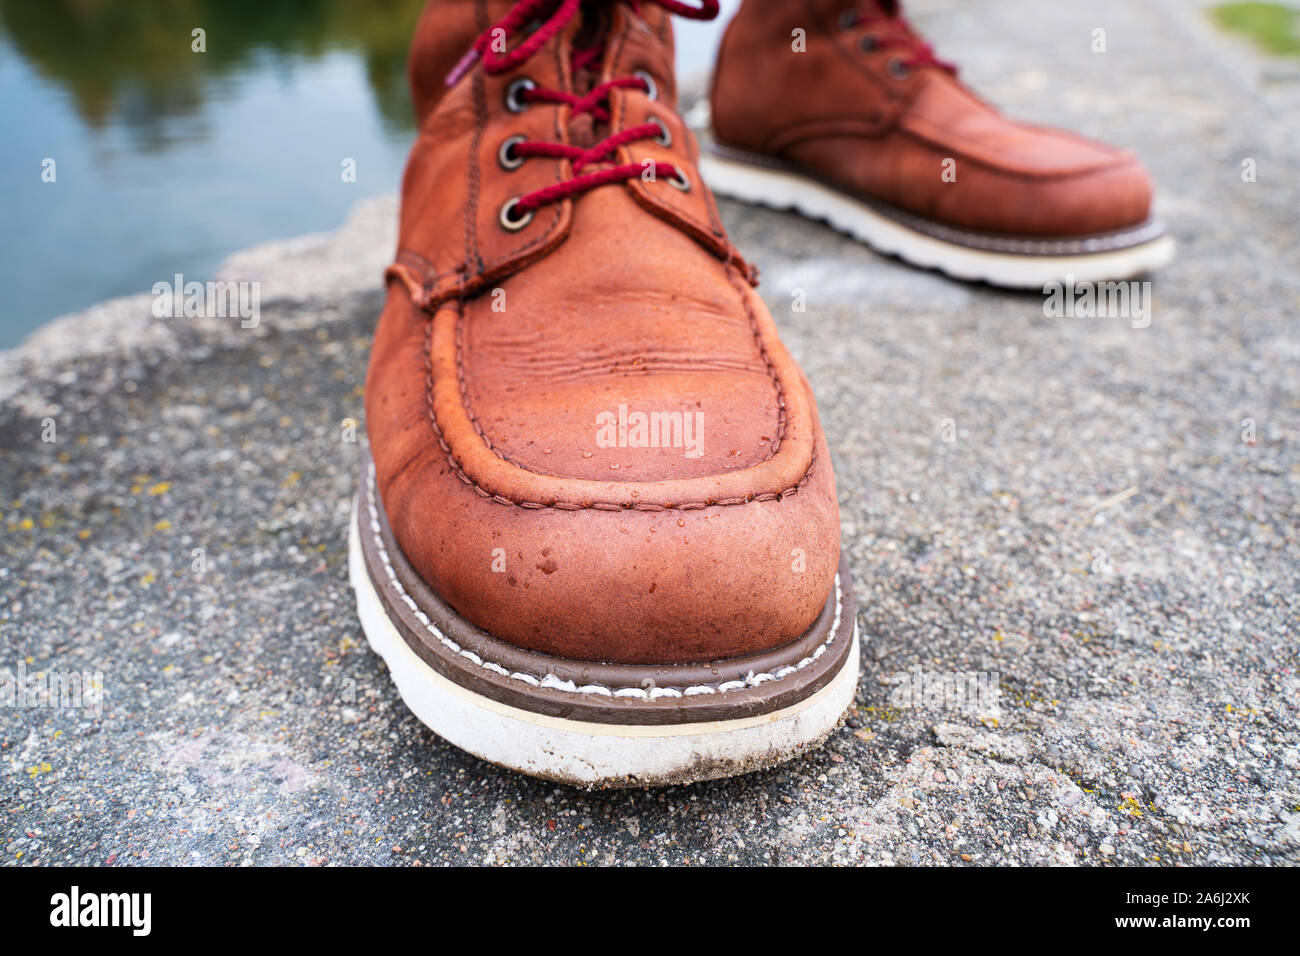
(1097, 537)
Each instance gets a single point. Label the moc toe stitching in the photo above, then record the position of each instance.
(455, 462)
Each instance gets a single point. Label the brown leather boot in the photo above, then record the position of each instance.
(839, 110)
(600, 541)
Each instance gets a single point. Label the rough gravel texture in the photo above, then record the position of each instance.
(1075, 507)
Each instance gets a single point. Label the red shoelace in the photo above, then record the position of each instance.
(888, 28)
(492, 47)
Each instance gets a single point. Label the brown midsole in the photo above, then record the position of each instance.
(1097, 243)
(588, 690)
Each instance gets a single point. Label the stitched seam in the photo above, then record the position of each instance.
(615, 59)
(552, 681)
(673, 208)
(578, 505)
(1113, 241)
(423, 269)
(841, 125)
(619, 121)
(464, 393)
(418, 261)
(479, 93)
(924, 137)
(710, 206)
(561, 137)
(781, 413)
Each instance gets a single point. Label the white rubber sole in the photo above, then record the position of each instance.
(591, 754)
(778, 189)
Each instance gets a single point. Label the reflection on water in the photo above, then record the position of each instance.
(167, 159)
(132, 59)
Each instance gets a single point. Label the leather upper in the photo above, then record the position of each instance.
(856, 117)
(501, 352)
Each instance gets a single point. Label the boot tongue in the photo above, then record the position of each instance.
(589, 38)
(586, 63)
(583, 132)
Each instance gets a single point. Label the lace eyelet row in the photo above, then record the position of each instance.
(515, 101)
(897, 66)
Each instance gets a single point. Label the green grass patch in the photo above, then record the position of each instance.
(1273, 27)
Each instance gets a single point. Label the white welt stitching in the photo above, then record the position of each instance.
(1116, 241)
(553, 681)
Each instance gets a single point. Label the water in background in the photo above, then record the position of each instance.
(167, 160)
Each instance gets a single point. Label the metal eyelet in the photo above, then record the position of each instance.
(898, 69)
(665, 138)
(867, 44)
(848, 19)
(513, 102)
(651, 88)
(679, 181)
(504, 156)
(509, 220)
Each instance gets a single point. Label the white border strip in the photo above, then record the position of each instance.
(782, 190)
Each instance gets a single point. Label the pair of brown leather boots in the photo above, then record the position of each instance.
(599, 540)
